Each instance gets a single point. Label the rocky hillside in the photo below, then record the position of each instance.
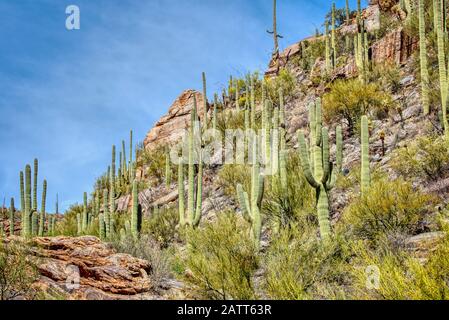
(399, 227)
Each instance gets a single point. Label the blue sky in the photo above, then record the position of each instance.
(67, 96)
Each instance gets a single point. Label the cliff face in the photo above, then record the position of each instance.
(170, 127)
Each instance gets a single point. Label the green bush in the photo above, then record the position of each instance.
(390, 208)
(161, 226)
(297, 203)
(17, 272)
(68, 226)
(301, 267)
(401, 276)
(426, 157)
(154, 163)
(232, 174)
(350, 99)
(222, 259)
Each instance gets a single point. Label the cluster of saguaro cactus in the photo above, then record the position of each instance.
(361, 49)
(32, 221)
(318, 170)
(194, 197)
(251, 205)
(423, 58)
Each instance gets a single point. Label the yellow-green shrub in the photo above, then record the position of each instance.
(162, 226)
(222, 259)
(426, 157)
(350, 99)
(389, 208)
(301, 267)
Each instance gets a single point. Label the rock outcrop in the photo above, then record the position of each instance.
(171, 127)
(84, 268)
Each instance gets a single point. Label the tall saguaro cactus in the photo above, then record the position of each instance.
(327, 46)
(365, 167)
(42, 213)
(112, 183)
(205, 100)
(11, 217)
(194, 196)
(22, 193)
(36, 170)
(167, 168)
(423, 58)
(85, 217)
(318, 170)
(334, 40)
(136, 218)
(441, 64)
(27, 214)
(251, 206)
(106, 215)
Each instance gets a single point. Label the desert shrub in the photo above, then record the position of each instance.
(401, 276)
(222, 259)
(68, 226)
(17, 272)
(387, 75)
(146, 248)
(161, 226)
(295, 204)
(426, 157)
(350, 99)
(154, 163)
(285, 81)
(301, 267)
(232, 174)
(390, 208)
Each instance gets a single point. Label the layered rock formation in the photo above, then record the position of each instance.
(84, 268)
(171, 127)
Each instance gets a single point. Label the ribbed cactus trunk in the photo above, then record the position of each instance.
(22, 193)
(101, 226)
(441, 64)
(237, 102)
(181, 192)
(85, 214)
(57, 204)
(194, 197)
(112, 185)
(327, 47)
(106, 215)
(42, 213)
(348, 17)
(321, 175)
(34, 223)
(79, 225)
(365, 166)
(334, 40)
(27, 214)
(136, 218)
(275, 32)
(11, 217)
(36, 170)
(423, 58)
(253, 104)
(251, 206)
(205, 120)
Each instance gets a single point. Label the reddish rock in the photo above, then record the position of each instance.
(396, 47)
(170, 128)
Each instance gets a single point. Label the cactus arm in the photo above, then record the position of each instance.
(205, 100)
(199, 195)
(27, 214)
(36, 169)
(339, 150)
(319, 121)
(181, 193)
(261, 190)
(304, 157)
(191, 168)
(244, 203)
(325, 155)
(42, 213)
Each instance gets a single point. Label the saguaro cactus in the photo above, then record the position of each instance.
(85, 214)
(194, 204)
(251, 206)
(27, 214)
(423, 58)
(42, 213)
(22, 193)
(112, 183)
(318, 170)
(334, 40)
(36, 169)
(205, 100)
(106, 215)
(11, 217)
(136, 218)
(365, 168)
(327, 48)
